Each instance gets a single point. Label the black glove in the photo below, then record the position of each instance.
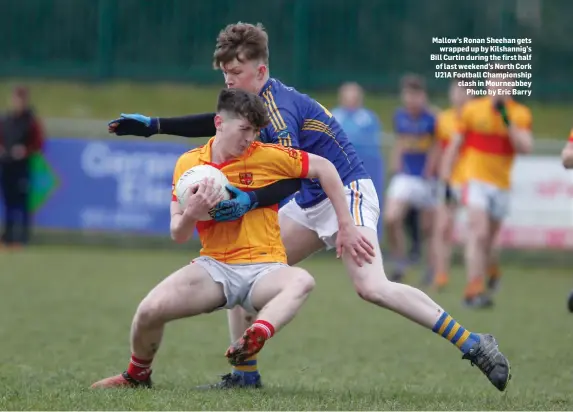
(134, 125)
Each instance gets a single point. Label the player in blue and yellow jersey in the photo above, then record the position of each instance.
(308, 222)
(412, 162)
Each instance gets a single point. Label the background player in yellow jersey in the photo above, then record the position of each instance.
(492, 130)
(450, 192)
(242, 262)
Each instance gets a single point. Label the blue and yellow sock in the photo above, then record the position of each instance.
(248, 370)
(449, 328)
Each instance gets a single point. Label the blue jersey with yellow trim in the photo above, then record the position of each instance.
(416, 134)
(301, 122)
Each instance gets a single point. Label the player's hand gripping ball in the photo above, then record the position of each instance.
(196, 175)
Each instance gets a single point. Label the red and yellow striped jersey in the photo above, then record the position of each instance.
(255, 237)
(488, 151)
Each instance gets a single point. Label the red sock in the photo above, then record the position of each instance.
(263, 329)
(139, 369)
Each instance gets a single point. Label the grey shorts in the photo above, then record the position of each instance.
(488, 198)
(238, 280)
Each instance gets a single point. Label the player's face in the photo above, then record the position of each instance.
(351, 97)
(18, 103)
(414, 100)
(458, 95)
(246, 75)
(237, 134)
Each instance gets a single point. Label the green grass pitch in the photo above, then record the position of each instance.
(65, 315)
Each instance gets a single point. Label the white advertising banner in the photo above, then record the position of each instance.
(541, 212)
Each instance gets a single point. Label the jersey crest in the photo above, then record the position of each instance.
(246, 178)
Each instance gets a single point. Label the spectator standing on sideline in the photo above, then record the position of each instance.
(361, 125)
(364, 130)
(21, 136)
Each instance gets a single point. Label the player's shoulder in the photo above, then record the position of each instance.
(195, 152)
(478, 105)
(478, 102)
(447, 114)
(430, 114)
(280, 95)
(268, 148)
(400, 112)
(520, 107)
(282, 88)
(192, 156)
(278, 91)
(371, 114)
(365, 117)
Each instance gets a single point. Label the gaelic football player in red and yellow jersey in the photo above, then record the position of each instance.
(243, 262)
(446, 127)
(492, 130)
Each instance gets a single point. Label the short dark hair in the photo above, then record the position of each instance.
(413, 82)
(244, 104)
(241, 41)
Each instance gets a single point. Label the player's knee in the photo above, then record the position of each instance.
(392, 219)
(383, 293)
(444, 230)
(427, 232)
(148, 313)
(477, 234)
(477, 229)
(302, 282)
(372, 291)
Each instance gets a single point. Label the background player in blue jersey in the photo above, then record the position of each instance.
(308, 222)
(413, 164)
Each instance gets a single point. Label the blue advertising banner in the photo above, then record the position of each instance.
(110, 185)
(115, 186)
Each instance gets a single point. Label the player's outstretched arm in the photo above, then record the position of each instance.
(275, 193)
(242, 202)
(195, 125)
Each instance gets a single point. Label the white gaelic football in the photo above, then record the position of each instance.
(195, 175)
